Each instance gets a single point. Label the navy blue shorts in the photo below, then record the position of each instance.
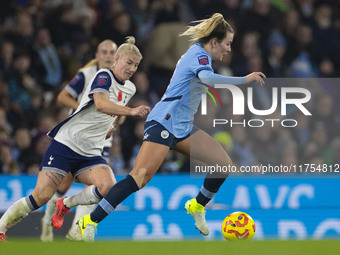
(157, 133)
(61, 159)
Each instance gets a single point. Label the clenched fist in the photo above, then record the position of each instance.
(140, 111)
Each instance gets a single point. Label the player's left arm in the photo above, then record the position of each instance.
(207, 75)
(104, 105)
(118, 121)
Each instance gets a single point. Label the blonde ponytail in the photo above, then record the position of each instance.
(130, 39)
(215, 26)
(92, 62)
(129, 47)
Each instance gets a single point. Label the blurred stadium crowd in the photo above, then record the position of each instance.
(44, 43)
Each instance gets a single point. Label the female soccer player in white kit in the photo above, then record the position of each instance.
(78, 141)
(170, 125)
(71, 96)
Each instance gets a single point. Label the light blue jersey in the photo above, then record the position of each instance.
(180, 102)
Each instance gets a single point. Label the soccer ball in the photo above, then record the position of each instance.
(238, 226)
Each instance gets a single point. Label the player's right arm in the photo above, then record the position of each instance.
(99, 92)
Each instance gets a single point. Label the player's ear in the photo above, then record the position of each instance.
(214, 41)
(116, 58)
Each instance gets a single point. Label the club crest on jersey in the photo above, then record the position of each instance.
(50, 162)
(203, 60)
(102, 80)
(165, 134)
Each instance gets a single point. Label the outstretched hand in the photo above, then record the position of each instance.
(257, 77)
(140, 111)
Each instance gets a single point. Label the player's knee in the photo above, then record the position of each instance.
(229, 162)
(226, 161)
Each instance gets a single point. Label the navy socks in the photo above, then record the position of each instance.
(120, 191)
(117, 194)
(209, 189)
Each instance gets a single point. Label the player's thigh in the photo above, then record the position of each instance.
(66, 183)
(46, 186)
(150, 157)
(100, 176)
(203, 147)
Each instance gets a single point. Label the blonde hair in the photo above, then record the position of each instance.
(129, 47)
(206, 29)
(92, 62)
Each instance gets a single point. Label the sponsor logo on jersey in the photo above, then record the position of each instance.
(102, 80)
(165, 134)
(203, 60)
(74, 80)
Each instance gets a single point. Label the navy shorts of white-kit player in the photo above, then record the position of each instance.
(60, 159)
(157, 133)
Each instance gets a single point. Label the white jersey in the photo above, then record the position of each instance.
(85, 130)
(77, 87)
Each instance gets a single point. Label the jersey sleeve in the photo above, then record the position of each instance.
(207, 77)
(201, 61)
(76, 85)
(101, 83)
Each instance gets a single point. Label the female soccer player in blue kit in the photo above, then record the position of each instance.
(170, 122)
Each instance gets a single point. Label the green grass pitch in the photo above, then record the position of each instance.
(35, 247)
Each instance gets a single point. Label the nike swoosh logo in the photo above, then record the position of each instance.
(244, 234)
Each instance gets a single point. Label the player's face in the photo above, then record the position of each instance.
(126, 65)
(105, 54)
(223, 47)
